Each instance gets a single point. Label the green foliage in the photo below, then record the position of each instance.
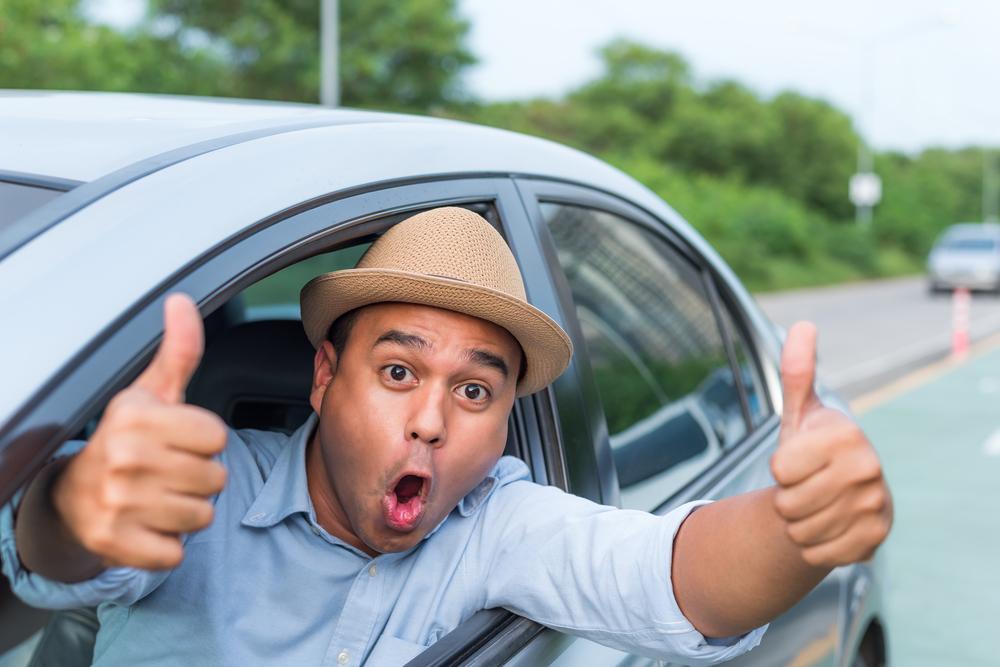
(48, 45)
(393, 54)
(627, 397)
(765, 181)
(397, 55)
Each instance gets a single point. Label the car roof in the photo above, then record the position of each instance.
(82, 136)
(235, 162)
(972, 230)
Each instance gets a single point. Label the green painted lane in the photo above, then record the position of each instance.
(943, 603)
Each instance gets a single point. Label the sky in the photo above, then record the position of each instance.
(933, 71)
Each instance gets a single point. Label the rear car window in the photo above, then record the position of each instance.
(665, 380)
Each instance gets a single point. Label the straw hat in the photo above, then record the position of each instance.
(448, 258)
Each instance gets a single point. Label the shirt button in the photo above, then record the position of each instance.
(373, 570)
(342, 657)
(314, 530)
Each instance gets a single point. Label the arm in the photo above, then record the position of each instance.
(144, 477)
(743, 561)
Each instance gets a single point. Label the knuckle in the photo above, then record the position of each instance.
(98, 538)
(784, 504)
(797, 533)
(128, 414)
(815, 557)
(779, 468)
(202, 514)
(123, 456)
(217, 476)
(115, 497)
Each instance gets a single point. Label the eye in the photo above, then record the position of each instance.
(474, 392)
(398, 373)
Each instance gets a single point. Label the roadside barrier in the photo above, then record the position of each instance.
(961, 302)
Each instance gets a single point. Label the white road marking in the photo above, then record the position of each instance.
(992, 445)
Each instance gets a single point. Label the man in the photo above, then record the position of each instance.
(390, 517)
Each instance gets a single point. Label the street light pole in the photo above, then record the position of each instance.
(329, 81)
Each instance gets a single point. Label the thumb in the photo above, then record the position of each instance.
(180, 351)
(798, 374)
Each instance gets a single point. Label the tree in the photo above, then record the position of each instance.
(48, 45)
(395, 54)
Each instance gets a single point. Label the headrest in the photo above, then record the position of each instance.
(257, 375)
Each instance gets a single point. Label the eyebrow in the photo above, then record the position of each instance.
(404, 339)
(490, 360)
(478, 357)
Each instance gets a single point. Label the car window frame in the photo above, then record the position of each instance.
(536, 191)
(109, 362)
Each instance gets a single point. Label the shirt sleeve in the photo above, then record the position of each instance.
(592, 571)
(119, 585)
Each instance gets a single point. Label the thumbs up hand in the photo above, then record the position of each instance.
(831, 492)
(147, 473)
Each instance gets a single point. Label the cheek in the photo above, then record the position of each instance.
(475, 450)
(361, 433)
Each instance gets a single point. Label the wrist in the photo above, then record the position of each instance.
(45, 543)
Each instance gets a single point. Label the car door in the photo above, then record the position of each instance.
(678, 388)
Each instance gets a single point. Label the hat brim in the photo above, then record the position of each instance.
(546, 346)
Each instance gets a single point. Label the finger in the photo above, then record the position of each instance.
(194, 475)
(857, 543)
(798, 375)
(180, 351)
(173, 513)
(145, 549)
(829, 438)
(809, 496)
(836, 518)
(184, 427)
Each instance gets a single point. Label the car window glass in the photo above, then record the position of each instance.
(17, 201)
(760, 409)
(277, 296)
(664, 378)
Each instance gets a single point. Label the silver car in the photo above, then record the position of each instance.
(108, 202)
(966, 255)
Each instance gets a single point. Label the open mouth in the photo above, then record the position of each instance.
(404, 504)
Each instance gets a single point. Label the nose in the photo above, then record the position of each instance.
(428, 417)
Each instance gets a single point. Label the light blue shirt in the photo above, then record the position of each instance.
(266, 584)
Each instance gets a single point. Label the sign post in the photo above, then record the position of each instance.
(865, 190)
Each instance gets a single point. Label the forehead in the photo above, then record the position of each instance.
(436, 325)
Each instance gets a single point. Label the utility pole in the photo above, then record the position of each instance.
(991, 187)
(329, 80)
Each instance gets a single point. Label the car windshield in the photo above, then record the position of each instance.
(970, 243)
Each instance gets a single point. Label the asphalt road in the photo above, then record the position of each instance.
(940, 448)
(873, 332)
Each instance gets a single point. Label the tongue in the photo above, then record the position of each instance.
(408, 487)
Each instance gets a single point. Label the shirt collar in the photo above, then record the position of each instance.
(286, 490)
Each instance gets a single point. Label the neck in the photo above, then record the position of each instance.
(329, 512)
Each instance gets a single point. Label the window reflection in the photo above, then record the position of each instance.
(665, 381)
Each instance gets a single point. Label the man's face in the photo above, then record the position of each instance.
(412, 417)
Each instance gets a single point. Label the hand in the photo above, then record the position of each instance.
(831, 491)
(147, 473)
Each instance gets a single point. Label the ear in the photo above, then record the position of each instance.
(324, 368)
